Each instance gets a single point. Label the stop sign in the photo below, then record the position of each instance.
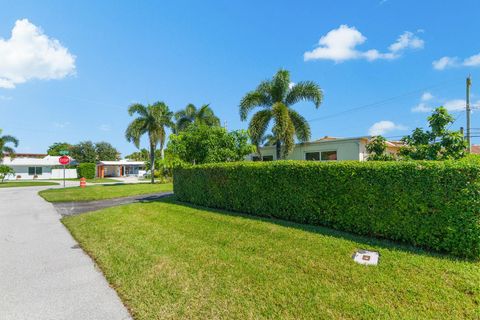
(64, 160)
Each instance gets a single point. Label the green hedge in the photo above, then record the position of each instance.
(429, 204)
(86, 170)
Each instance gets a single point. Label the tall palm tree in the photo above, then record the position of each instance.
(151, 120)
(275, 97)
(4, 148)
(204, 115)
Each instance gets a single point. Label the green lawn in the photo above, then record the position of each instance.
(102, 192)
(168, 260)
(94, 180)
(15, 184)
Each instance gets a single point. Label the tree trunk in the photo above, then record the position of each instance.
(152, 164)
(278, 147)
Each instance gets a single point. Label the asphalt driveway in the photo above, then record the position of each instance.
(43, 273)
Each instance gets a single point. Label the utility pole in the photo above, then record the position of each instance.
(469, 83)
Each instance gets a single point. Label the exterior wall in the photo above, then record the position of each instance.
(69, 174)
(348, 149)
(22, 171)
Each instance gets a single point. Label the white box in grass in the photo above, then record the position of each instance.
(366, 257)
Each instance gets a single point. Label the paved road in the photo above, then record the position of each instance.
(71, 208)
(43, 275)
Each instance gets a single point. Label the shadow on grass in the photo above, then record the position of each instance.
(365, 241)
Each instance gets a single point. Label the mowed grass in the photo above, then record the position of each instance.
(168, 260)
(102, 192)
(94, 180)
(14, 184)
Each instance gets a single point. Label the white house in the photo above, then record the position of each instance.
(327, 149)
(36, 166)
(120, 168)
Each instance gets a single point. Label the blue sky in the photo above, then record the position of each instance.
(376, 57)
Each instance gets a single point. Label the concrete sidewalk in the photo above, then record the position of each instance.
(43, 274)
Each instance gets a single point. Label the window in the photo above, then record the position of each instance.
(267, 158)
(329, 155)
(312, 156)
(255, 158)
(35, 171)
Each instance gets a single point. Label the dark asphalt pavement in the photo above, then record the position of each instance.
(71, 208)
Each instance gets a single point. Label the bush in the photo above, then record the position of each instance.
(429, 204)
(86, 170)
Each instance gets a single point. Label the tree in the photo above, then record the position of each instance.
(57, 147)
(276, 97)
(202, 144)
(84, 152)
(5, 171)
(189, 115)
(106, 152)
(377, 149)
(4, 148)
(152, 121)
(439, 143)
(142, 155)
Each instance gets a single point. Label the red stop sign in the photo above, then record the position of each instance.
(64, 160)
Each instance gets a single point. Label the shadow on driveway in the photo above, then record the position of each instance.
(72, 208)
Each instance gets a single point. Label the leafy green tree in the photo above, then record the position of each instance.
(5, 171)
(4, 140)
(204, 116)
(151, 120)
(276, 97)
(439, 143)
(84, 152)
(57, 147)
(106, 152)
(377, 149)
(202, 144)
(142, 155)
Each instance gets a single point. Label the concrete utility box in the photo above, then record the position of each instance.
(366, 257)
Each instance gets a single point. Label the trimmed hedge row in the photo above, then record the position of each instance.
(429, 204)
(86, 170)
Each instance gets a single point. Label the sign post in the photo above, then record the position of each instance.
(64, 160)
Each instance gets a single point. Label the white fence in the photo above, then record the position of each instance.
(69, 174)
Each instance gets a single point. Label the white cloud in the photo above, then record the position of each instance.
(340, 45)
(407, 40)
(291, 84)
(422, 107)
(104, 127)
(444, 62)
(472, 61)
(384, 126)
(426, 96)
(30, 54)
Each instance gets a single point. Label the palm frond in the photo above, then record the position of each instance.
(9, 139)
(135, 130)
(252, 100)
(301, 126)
(139, 109)
(305, 91)
(258, 125)
(280, 85)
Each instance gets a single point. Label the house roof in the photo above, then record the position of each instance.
(123, 162)
(31, 161)
(475, 148)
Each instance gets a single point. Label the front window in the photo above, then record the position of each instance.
(35, 171)
(267, 158)
(329, 155)
(312, 156)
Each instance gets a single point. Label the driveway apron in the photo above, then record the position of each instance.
(43, 272)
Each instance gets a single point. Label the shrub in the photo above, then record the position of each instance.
(86, 170)
(429, 204)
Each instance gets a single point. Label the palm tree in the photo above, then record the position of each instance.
(204, 115)
(275, 97)
(4, 148)
(152, 120)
